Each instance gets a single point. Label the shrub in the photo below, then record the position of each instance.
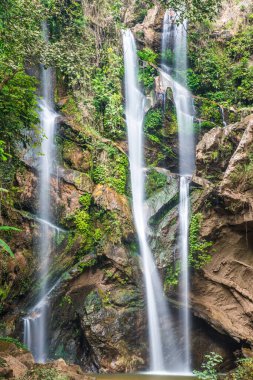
(209, 367)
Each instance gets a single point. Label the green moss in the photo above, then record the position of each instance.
(85, 201)
(115, 276)
(113, 172)
(70, 108)
(85, 227)
(93, 302)
(87, 264)
(105, 297)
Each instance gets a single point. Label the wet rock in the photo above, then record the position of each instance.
(78, 158)
(149, 32)
(102, 318)
(80, 180)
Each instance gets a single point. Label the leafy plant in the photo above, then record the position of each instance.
(3, 244)
(209, 367)
(153, 120)
(172, 274)
(108, 99)
(17, 343)
(244, 371)
(148, 55)
(85, 201)
(198, 248)
(154, 182)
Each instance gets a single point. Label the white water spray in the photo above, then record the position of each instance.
(35, 324)
(161, 339)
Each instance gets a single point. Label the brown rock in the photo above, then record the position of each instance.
(151, 28)
(109, 199)
(77, 158)
(222, 292)
(13, 367)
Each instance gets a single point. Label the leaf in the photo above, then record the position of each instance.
(6, 248)
(8, 228)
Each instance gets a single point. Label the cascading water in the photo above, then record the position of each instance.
(167, 37)
(35, 324)
(185, 111)
(161, 334)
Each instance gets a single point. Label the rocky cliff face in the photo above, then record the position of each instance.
(97, 308)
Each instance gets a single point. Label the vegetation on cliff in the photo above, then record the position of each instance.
(95, 254)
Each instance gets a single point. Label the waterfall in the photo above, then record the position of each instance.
(167, 36)
(223, 116)
(185, 115)
(161, 334)
(35, 324)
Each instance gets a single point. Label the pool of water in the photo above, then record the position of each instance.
(144, 377)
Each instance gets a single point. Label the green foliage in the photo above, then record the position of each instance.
(87, 264)
(147, 72)
(209, 367)
(154, 182)
(172, 274)
(66, 50)
(211, 112)
(85, 201)
(113, 171)
(153, 120)
(198, 248)
(222, 71)
(3, 244)
(148, 55)
(17, 111)
(17, 343)
(147, 76)
(3, 155)
(108, 100)
(85, 226)
(155, 133)
(244, 371)
(192, 10)
(21, 45)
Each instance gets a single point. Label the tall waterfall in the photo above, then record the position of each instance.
(185, 114)
(161, 335)
(35, 324)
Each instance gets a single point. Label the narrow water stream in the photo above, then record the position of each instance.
(161, 336)
(35, 324)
